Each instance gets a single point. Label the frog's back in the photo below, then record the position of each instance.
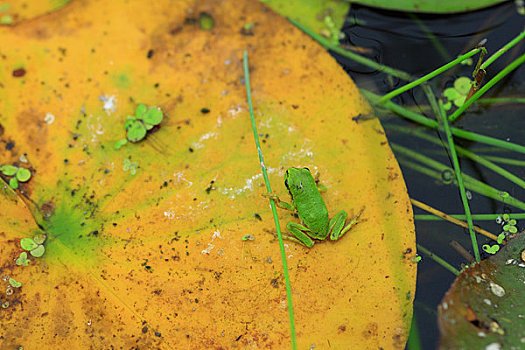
(314, 214)
(309, 204)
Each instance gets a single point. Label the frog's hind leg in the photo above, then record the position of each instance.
(299, 234)
(336, 224)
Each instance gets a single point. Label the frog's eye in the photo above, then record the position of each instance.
(300, 186)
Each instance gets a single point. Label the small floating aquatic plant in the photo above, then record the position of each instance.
(34, 246)
(18, 174)
(137, 125)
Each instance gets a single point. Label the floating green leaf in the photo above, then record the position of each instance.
(39, 239)
(131, 166)
(28, 244)
(14, 283)
(23, 175)
(120, 143)
(484, 307)
(140, 110)
(102, 223)
(8, 170)
(458, 93)
(22, 260)
(491, 249)
(136, 131)
(462, 85)
(138, 125)
(13, 183)
(153, 116)
(38, 251)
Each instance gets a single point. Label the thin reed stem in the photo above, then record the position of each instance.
(504, 72)
(426, 77)
(420, 119)
(272, 202)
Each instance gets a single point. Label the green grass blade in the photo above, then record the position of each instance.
(478, 217)
(463, 152)
(500, 100)
(414, 342)
(272, 202)
(504, 72)
(426, 77)
(420, 119)
(470, 183)
(459, 179)
(504, 160)
(504, 49)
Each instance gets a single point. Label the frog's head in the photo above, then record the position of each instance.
(293, 179)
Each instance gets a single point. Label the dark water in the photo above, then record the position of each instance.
(398, 40)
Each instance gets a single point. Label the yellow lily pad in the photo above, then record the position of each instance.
(155, 257)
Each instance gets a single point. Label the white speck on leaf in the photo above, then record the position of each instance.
(497, 289)
(109, 103)
(249, 185)
(216, 234)
(493, 346)
(234, 111)
(179, 177)
(49, 118)
(170, 214)
(199, 144)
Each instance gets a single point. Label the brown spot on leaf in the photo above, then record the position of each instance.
(18, 73)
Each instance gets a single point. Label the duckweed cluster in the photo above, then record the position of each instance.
(16, 174)
(138, 125)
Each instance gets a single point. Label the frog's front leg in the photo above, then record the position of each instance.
(338, 221)
(279, 202)
(299, 234)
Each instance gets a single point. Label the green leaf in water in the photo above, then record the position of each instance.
(28, 244)
(8, 170)
(136, 131)
(23, 175)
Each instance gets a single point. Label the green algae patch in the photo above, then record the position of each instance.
(121, 80)
(69, 229)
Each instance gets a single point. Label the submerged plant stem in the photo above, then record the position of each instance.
(470, 183)
(272, 202)
(348, 54)
(420, 119)
(462, 151)
(437, 259)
